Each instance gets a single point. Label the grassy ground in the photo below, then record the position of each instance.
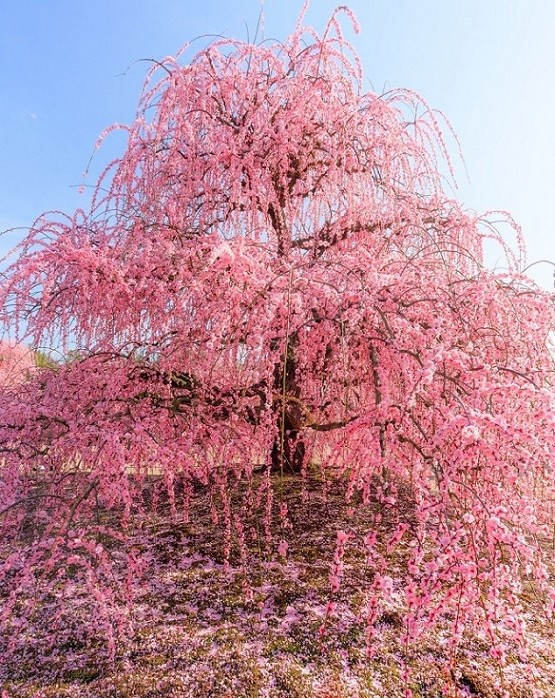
(203, 629)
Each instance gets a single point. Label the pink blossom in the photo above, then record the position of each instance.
(17, 363)
(274, 281)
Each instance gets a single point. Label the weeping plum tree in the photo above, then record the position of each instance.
(272, 278)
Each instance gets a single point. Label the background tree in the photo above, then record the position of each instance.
(272, 276)
(17, 363)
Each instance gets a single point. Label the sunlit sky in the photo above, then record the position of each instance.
(68, 69)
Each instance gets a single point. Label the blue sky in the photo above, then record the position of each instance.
(68, 69)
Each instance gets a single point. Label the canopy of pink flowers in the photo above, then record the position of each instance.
(273, 275)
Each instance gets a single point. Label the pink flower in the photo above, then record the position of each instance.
(342, 537)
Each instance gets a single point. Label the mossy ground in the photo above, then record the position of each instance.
(203, 629)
